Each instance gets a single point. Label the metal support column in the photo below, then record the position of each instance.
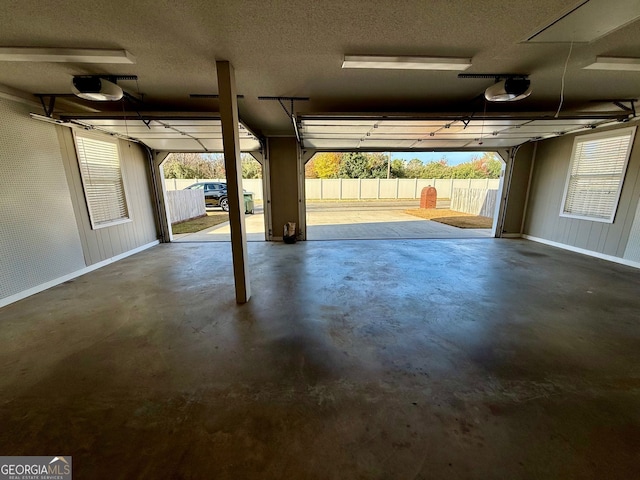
(233, 167)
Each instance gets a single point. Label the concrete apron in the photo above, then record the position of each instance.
(389, 360)
(348, 221)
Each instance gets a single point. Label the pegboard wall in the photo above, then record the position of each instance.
(39, 239)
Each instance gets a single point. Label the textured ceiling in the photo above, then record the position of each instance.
(295, 48)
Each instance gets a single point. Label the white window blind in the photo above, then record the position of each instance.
(596, 175)
(102, 179)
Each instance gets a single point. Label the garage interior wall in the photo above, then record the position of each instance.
(283, 161)
(46, 237)
(39, 241)
(543, 220)
(516, 203)
(104, 243)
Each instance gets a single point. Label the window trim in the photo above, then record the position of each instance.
(592, 137)
(106, 139)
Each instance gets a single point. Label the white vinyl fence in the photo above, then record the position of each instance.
(253, 185)
(360, 189)
(477, 201)
(185, 204)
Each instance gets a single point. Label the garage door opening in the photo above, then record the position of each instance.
(386, 195)
(197, 197)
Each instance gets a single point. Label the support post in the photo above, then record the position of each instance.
(232, 163)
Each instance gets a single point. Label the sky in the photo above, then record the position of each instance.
(454, 158)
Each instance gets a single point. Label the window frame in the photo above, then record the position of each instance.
(85, 182)
(631, 131)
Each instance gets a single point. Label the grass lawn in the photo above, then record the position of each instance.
(197, 224)
(451, 217)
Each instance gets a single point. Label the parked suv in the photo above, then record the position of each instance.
(215, 195)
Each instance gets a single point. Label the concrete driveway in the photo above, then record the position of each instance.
(348, 221)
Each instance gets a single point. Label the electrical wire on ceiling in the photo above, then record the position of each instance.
(564, 74)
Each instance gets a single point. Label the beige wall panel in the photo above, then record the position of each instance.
(632, 251)
(104, 243)
(283, 161)
(547, 187)
(91, 246)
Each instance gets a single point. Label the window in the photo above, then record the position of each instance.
(596, 175)
(102, 179)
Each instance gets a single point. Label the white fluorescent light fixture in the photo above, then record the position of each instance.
(615, 63)
(406, 63)
(65, 55)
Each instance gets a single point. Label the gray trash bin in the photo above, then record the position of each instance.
(248, 202)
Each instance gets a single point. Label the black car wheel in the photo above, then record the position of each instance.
(224, 204)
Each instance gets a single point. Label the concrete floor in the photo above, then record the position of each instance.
(474, 359)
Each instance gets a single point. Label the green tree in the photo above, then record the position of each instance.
(492, 165)
(354, 165)
(398, 169)
(369, 165)
(472, 169)
(377, 165)
(486, 166)
(413, 168)
(439, 169)
(189, 165)
(494, 168)
(251, 168)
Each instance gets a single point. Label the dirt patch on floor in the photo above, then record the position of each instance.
(451, 217)
(196, 224)
(474, 221)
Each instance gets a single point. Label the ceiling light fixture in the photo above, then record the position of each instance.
(406, 63)
(95, 88)
(615, 63)
(65, 55)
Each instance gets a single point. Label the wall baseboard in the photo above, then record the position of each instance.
(52, 283)
(591, 253)
(511, 235)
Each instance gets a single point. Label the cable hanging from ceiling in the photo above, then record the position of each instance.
(562, 83)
